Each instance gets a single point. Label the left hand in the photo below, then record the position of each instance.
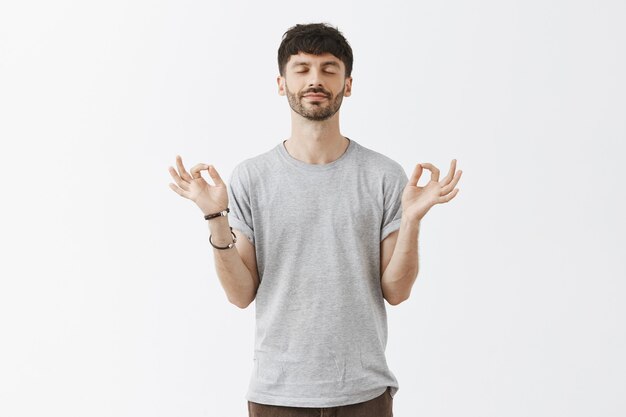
(416, 201)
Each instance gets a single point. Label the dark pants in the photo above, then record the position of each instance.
(378, 407)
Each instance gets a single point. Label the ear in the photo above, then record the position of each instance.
(347, 92)
(280, 80)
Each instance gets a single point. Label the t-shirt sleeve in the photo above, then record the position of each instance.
(393, 187)
(240, 215)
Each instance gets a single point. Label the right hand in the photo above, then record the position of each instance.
(210, 198)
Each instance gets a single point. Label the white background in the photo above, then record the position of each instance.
(109, 301)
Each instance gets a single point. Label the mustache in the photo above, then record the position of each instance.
(316, 91)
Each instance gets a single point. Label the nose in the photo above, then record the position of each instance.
(315, 79)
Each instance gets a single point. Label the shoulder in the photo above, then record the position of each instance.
(380, 162)
(255, 166)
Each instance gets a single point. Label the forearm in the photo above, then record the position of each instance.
(233, 274)
(403, 267)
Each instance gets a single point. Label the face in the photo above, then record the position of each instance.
(315, 85)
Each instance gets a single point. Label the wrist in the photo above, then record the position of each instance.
(206, 210)
(410, 223)
(220, 231)
(219, 223)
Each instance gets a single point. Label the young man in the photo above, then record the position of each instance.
(325, 230)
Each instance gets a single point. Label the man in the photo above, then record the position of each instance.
(325, 229)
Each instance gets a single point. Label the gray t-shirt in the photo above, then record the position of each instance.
(321, 322)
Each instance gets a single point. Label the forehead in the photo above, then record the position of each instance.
(303, 58)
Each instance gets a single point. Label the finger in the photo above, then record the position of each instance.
(179, 191)
(434, 171)
(448, 197)
(195, 171)
(181, 183)
(445, 190)
(450, 175)
(215, 176)
(417, 173)
(181, 169)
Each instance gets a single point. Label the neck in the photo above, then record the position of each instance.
(316, 142)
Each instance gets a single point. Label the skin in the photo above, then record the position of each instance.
(315, 135)
(399, 251)
(316, 139)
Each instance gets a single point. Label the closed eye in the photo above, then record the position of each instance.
(327, 72)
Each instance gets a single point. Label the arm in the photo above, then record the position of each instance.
(236, 267)
(399, 257)
(399, 262)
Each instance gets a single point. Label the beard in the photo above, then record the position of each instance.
(312, 110)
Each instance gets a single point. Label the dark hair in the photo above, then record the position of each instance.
(317, 39)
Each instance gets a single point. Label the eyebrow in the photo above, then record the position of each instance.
(333, 63)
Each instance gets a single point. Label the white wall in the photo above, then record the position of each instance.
(109, 301)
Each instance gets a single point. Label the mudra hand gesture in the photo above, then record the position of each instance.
(416, 201)
(210, 198)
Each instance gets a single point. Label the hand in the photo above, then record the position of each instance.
(416, 201)
(210, 198)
